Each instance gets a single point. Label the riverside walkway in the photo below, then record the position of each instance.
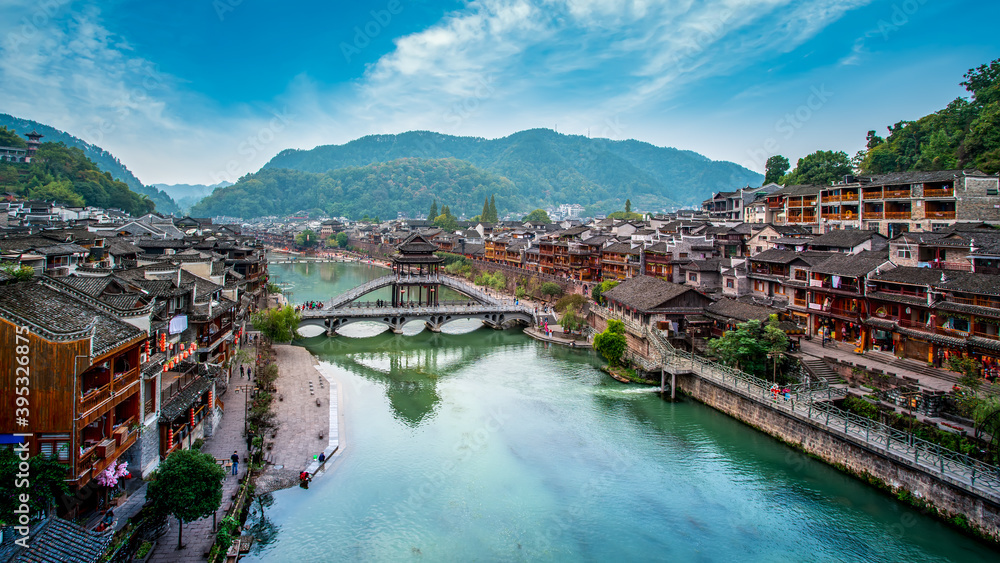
(813, 403)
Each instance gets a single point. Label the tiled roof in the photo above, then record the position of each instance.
(853, 266)
(983, 284)
(911, 275)
(844, 238)
(740, 310)
(711, 265)
(59, 316)
(61, 541)
(644, 293)
(917, 177)
(183, 400)
(775, 256)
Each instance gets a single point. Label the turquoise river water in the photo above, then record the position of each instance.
(482, 445)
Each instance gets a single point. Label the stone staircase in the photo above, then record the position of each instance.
(819, 369)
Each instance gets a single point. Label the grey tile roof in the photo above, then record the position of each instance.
(644, 293)
(844, 238)
(917, 177)
(856, 265)
(62, 316)
(185, 398)
(61, 541)
(911, 275)
(740, 310)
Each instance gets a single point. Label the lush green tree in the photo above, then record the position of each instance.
(742, 348)
(188, 486)
(775, 168)
(446, 221)
(485, 215)
(279, 325)
(10, 138)
(550, 289)
(20, 273)
(597, 293)
(306, 239)
(628, 206)
(571, 319)
(820, 167)
(626, 216)
(44, 483)
(570, 301)
(433, 213)
(537, 216)
(776, 341)
(612, 343)
(342, 240)
(494, 216)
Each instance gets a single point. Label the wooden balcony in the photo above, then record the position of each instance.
(832, 216)
(94, 398)
(831, 198)
(895, 194)
(988, 335)
(939, 192)
(939, 214)
(849, 197)
(898, 215)
(873, 214)
(980, 301)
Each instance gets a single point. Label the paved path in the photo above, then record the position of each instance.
(845, 352)
(304, 428)
(228, 436)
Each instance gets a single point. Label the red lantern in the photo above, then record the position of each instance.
(170, 438)
(165, 369)
(211, 400)
(191, 416)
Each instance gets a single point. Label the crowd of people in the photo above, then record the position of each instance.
(309, 306)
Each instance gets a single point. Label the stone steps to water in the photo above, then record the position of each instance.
(819, 369)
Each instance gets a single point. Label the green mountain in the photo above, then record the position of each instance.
(965, 134)
(547, 167)
(104, 160)
(65, 175)
(187, 195)
(380, 189)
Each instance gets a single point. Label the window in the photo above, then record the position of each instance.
(693, 277)
(958, 323)
(729, 283)
(992, 191)
(757, 249)
(684, 254)
(759, 286)
(903, 253)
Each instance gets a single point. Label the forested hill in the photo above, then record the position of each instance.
(549, 168)
(65, 175)
(376, 190)
(104, 160)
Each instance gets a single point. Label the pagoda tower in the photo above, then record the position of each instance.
(416, 269)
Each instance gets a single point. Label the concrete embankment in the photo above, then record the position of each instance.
(933, 494)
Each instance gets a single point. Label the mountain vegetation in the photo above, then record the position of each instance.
(965, 134)
(65, 175)
(105, 161)
(410, 185)
(546, 168)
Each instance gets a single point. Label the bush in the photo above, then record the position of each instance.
(550, 289)
(520, 292)
(573, 300)
(197, 444)
(861, 407)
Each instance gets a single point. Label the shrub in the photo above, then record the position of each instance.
(571, 301)
(550, 289)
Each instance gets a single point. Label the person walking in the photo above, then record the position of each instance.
(242, 371)
(236, 461)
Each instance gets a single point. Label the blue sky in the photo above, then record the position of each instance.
(199, 91)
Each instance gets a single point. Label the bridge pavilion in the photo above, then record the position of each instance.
(416, 269)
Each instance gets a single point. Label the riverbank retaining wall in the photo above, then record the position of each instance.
(928, 493)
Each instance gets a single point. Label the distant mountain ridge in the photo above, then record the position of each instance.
(187, 195)
(548, 167)
(104, 160)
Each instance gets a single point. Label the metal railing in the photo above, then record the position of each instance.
(814, 401)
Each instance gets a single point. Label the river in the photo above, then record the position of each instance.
(486, 445)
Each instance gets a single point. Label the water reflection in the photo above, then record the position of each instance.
(408, 366)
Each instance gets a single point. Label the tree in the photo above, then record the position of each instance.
(278, 325)
(746, 347)
(628, 205)
(550, 289)
(45, 482)
(820, 167)
(433, 212)
(494, 217)
(612, 343)
(598, 292)
(537, 216)
(306, 239)
(775, 168)
(342, 240)
(485, 215)
(187, 486)
(776, 341)
(20, 273)
(571, 320)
